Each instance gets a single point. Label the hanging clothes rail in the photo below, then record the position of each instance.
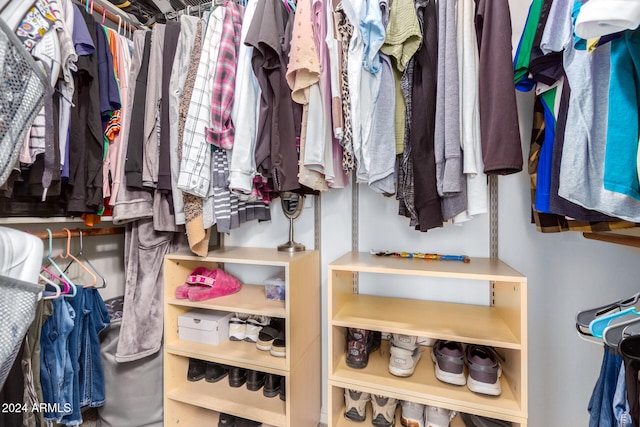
(86, 232)
(110, 16)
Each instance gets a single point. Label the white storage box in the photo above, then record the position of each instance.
(205, 326)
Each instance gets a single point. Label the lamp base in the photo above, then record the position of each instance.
(291, 247)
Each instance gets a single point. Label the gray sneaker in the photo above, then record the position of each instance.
(449, 359)
(403, 362)
(484, 370)
(412, 414)
(437, 417)
(384, 411)
(356, 405)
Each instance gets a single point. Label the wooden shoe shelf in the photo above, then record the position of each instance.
(200, 403)
(502, 325)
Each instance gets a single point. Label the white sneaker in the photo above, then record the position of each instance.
(403, 362)
(408, 342)
(356, 405)
(254, 326)
(412, 414)
(437, 417)
(384, 411)
(238, 327)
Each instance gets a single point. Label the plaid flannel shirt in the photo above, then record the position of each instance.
(195, 166)
(221, 132)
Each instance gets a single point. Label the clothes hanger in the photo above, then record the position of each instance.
(585, 317)
(54, 285)
(57, 267)
(631, 329)
(94, 279)
(597, 326)
(88, 262)
(61, 281)
(614, 333)
(119, 24)
(629, 347)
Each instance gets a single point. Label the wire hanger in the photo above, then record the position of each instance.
(68, 254)
(88, 262)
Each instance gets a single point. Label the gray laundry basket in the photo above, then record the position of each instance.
(18, 302)
(133, 390)
(22, 89)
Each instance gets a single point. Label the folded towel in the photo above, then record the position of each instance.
(601, 17)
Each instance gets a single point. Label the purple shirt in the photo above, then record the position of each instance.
(82, 40)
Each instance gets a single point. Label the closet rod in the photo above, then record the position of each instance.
(86, 232)
(110, 16)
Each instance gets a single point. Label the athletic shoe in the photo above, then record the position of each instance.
(355, 405)
(360, 344)
(437, 417)
(384, 411)
(238, 327)
(484, 370)
(403, 362)
(448, 357)
(254, 326)
(412, 414)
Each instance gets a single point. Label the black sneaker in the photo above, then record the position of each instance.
(255, 380)
(237, 376)
(196, 370)
(226, 420)
(272, 384)
(215, 372)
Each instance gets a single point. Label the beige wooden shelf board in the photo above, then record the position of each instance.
(468, 323)
(243, 255)
(192, 416)
(424, 386)
(250, 299)
(478, 268)
(237, 353)
(235, 401)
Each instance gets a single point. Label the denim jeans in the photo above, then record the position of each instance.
(74, 417)
(56, 370)
(601, 402)
(92, 378)
(620, 403)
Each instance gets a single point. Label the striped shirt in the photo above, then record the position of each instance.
(221, 132)
(195, 166)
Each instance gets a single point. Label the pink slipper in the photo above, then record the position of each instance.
(221, 283)
(182, 291)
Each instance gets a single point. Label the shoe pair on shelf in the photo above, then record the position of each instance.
(482, 363)
(383, 408)
(419, 415)
(255, 380)
(271, 338)
(203, 284)
(212, 372)
(246, 327)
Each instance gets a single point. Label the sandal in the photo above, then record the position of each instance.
(269, 334)
(182, 291)
(215, 283)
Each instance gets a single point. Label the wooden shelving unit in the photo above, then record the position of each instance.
(200, 403)
(502, 325)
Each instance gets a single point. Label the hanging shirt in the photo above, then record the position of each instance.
(501, 146)
(152, 109)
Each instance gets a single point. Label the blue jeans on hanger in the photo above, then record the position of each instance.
(74, 417)
(601, 403)
(56, 370)
(620, 402)
(92, 381)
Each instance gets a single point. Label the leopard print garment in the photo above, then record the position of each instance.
(345, 30)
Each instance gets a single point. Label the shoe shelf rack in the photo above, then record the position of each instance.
(191, 404)
(502, 325)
